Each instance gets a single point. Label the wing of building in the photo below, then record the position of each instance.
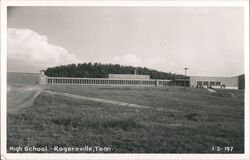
(236, 82)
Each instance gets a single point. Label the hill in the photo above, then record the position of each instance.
(98, 70)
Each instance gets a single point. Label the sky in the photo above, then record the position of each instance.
(206, 40)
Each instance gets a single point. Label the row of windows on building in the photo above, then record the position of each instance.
(97, 81)
(206, 83)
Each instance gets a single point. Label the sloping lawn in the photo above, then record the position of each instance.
(203, 120)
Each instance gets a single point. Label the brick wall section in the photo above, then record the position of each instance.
(128, 76)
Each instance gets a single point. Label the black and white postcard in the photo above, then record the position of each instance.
(125, 79)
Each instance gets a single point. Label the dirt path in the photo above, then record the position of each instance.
(21, 96)
(24, 96)
(107, 101)
(211, 90)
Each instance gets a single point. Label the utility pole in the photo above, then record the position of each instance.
(186, 71)
(185, 83)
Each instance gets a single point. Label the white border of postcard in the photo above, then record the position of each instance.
(177, 3)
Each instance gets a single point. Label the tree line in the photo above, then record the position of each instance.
(98, 70)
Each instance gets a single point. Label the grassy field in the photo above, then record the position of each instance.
(196, 120)
(14, 78)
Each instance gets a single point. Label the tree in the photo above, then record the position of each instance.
(98, 70)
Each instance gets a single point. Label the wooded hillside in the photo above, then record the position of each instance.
(98, 70)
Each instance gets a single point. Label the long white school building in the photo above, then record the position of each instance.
(236, 82)
(114, 79)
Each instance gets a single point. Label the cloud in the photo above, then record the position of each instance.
(133, 60)
(128, 59)
(27, 46)
(156, 62)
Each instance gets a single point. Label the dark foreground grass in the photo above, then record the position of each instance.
(204, 120)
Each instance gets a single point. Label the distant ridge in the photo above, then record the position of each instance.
(98, 70)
